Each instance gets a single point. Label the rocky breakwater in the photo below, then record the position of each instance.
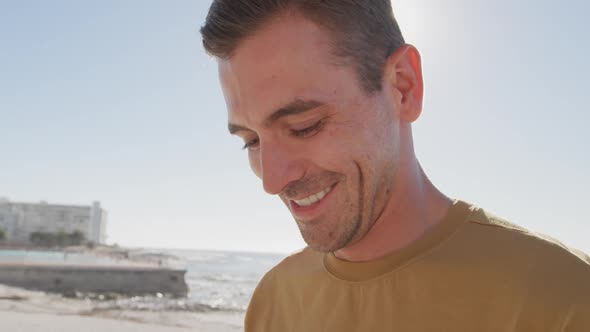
(72, 279)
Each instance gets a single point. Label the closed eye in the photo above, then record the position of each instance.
(309, 131)
(302, 133)
(250, 144)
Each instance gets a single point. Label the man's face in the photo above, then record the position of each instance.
(314, 136)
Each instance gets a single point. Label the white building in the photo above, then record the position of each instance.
(19, 220)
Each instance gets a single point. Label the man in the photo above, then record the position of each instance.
(323, 94)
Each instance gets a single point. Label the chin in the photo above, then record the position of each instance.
(322, 241)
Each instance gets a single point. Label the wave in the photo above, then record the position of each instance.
(164, 304)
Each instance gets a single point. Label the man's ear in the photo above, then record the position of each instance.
(403, 76)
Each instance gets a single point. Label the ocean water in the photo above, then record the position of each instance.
(223, 280)
(218, 281)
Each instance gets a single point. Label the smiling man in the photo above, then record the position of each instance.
(324, 93)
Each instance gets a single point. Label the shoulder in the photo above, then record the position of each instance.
(538, 261)
(277, 285)
(526, 241)
(290, 274)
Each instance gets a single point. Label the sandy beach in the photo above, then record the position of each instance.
(31, 311)
(39, 322)
(27, 322)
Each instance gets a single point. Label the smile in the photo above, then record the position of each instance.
(312, 199)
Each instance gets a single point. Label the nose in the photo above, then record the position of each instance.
(278, 167)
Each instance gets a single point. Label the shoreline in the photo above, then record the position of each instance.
(204, 309)
(35, 311)
(44, 322)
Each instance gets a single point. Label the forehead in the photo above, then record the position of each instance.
(288, 58)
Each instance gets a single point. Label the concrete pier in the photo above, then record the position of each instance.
(128, 280)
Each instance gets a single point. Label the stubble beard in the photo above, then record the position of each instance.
(340, 233)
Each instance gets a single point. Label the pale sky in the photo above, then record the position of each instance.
(116, 101)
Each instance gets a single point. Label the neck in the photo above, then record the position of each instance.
(411, 210)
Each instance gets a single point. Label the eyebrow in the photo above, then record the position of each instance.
(297, 106)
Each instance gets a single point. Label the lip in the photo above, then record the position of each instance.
(310, 212)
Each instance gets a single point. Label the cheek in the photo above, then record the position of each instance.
(344, 144)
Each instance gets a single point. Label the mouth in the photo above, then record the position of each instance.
(312, 199)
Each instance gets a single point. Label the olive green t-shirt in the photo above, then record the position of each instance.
(471, 272)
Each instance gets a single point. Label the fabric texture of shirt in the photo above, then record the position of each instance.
(471, 272)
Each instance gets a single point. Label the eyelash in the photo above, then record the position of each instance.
(306, 132)
(249, 144)
(309, 131)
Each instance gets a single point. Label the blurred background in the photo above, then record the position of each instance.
(115, 101)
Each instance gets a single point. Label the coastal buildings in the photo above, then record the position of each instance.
(18, 221)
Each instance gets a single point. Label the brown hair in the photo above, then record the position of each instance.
(365, 32)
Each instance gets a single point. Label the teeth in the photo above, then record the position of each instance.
(309, 200)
